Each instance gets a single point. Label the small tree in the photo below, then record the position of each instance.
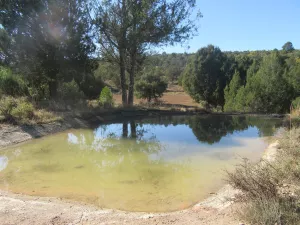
(288, 47)
(150, 86)
(230, 92)
(204, 77)
(106, 97)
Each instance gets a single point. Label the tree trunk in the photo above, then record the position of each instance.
(53, 88)
(122, 52)
(133, 53)
(131, 79)
(123, 78)
(132, 130)
(125, 130)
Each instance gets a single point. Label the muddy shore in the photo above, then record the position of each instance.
(21, 209)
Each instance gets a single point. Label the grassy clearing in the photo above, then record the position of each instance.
(271, 191)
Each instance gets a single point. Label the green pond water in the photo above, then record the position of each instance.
(153, 165)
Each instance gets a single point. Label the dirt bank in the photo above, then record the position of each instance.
(19, 209)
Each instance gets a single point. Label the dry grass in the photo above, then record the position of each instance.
(174, 97)
(271, 191)
(43, 116)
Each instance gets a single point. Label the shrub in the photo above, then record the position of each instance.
(270, 211)
(39, 91)
(70, 91)
(295, 110)
(270, 191)
(150, 86)
(106, 97)
(7, 103)
(11, 84)
(23, 110)
(43, 116)
(296, 103)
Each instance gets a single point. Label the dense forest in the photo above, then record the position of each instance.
(255, 81)
(70, 50)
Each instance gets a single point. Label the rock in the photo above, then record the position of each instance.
(148, 216)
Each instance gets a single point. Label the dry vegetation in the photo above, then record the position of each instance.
(22, 111)
(174, 97)
(271, 191)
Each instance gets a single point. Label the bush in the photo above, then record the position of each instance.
(296, 107)
(39, 91)
(11, 84)
(270, 211)
(70, 91)
(106, 97)
(23, 111)
(150, 86)
(7, 103)
(270, 192)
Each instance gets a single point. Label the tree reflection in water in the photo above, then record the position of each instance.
(211, 128)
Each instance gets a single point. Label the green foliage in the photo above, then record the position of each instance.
(18, 109)
(268, 80)
(7, 104)
(295, 110)
(150, 86)
(5, 44)
(204, 78)
(230, 92)
(106, 97)
(288, 47)
(23, 111)
(171, 65)
(127, 29)
(270, 86)
(296, 103)
(108, 72)
(267, 90)
(70, 91)
(53, 42)
(39, 92)
(11, 84)
(293, 78)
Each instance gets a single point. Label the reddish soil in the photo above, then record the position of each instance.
(174, 97)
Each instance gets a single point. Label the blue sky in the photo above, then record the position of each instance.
(245, 25)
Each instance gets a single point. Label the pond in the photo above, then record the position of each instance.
(152, 165)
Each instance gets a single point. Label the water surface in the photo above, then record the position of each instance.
(159, 164)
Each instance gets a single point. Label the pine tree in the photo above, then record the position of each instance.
(230, 92)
